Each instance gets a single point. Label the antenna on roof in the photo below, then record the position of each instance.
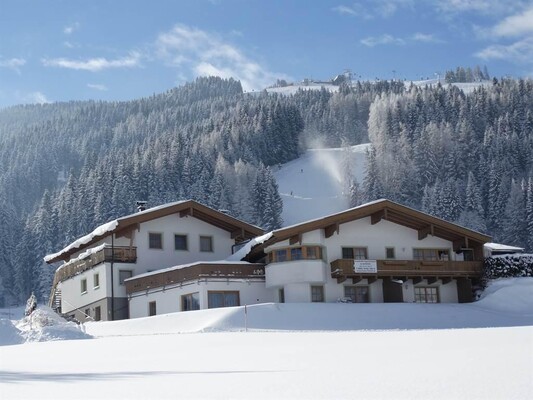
(141, 205)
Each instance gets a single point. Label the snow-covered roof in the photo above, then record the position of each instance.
(502, 247)
(379, 209)
(83, 255)
(189, 207)
(100, 231)
(243, 251)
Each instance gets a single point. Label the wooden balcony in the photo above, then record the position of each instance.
(107, 254)
(196, 272)
(343, 269)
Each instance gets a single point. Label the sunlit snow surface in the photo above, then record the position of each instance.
(311, 186)
(293, 351)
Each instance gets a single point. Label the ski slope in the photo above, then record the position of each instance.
(311, 186)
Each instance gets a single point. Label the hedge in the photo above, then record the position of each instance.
(508, 266)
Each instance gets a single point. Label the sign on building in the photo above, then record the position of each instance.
(365, 266)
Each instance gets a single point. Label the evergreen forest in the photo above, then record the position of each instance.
(66, 168)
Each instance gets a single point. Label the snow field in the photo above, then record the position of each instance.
(291, 351)
(444, 364)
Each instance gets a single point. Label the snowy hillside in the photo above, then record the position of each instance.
(291, 351)
(288, 90)
(311, 186)
(466, 87)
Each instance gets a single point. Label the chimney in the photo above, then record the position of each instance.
(141, 205)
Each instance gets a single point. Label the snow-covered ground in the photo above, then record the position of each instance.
(292, 351)
(467, 87)
(311, 186)
(292, 89)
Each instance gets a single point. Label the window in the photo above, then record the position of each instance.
(358, 294)
(281, 255)
(222, 299)
(87, 313)
(296, 253)
(97, 313)
(426, 295)
(123, 275)
(155, 240)
(389, 253)
(96, 281)
(206, 243)
(312, 253)
(282, 295)
(317, 294)
(431, 254)
(356, 253)
(190, 302)
(180, 242)
(151, 308)
(84, 286)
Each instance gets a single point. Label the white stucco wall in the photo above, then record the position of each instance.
(71, 295)
(152, 259)
(302, 271)
(169, 300)
(296, 277)
(361, 233)
(148, 259)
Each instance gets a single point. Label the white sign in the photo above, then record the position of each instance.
(365, 266)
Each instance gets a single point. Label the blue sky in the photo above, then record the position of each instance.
(118, 50)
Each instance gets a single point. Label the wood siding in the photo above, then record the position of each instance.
(344, 268)
(194, 272)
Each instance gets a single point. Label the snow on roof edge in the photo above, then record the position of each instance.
(245, 250)
(500, 246)
(99, 231)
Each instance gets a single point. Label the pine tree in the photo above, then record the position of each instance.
(372, 188)
(514, 223)
(529, 215)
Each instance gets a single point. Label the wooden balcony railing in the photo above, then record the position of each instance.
(107, 254)
(344, 268)
(194, 272)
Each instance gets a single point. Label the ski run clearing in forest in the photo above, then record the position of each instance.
(312, 186)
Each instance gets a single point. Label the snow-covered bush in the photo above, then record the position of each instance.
(44, 325)
(508, 266)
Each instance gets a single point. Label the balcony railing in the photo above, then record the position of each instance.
(196, 272)
(107, 254)
(344, 268)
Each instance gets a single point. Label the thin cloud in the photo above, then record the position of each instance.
(387, 8)
(13, 63)
(425, 38)
(34, 98)
(382, 40)
(193, 51)
(520, 51)
(488, 7)
(69, 29)
(97, 86)
(95, 64)
(515, 25)
(373, 9)
(346, 10)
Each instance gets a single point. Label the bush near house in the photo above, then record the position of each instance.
(508, 266)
